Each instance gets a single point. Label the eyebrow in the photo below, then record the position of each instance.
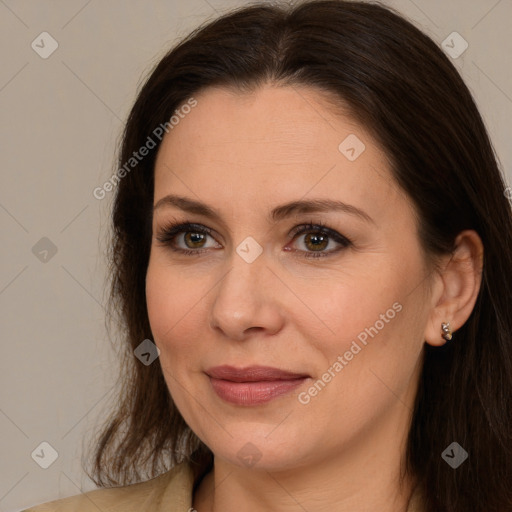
(278, 213)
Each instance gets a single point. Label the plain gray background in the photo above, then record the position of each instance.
(61, 119)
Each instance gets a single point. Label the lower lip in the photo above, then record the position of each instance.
(253, 393)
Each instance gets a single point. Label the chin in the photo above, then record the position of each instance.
(261, 449)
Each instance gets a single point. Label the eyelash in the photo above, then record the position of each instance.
(170, 231)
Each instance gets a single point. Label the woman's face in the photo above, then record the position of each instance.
(346, 318)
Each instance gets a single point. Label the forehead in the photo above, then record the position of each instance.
(270, 145)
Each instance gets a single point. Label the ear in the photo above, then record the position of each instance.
(456, 288)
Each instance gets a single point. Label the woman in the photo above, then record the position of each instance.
(312, 258)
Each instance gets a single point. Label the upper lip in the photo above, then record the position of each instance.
(252, 373)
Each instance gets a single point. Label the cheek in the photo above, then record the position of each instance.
(370, 317)
(159, 301)
(173, 305)
(166, 305)
(345, 309)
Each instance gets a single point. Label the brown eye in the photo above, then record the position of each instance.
(192, 235)
(192, 238)
(318, 241)
(317, 238)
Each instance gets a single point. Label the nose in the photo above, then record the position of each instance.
(247, 300)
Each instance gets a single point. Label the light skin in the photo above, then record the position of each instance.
(243, 155)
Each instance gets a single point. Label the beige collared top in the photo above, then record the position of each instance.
(170, 492)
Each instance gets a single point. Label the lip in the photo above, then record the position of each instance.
(252, 385)
(252, 373)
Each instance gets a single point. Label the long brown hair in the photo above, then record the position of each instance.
(401, 87)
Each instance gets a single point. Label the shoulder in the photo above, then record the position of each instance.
(168, 492)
